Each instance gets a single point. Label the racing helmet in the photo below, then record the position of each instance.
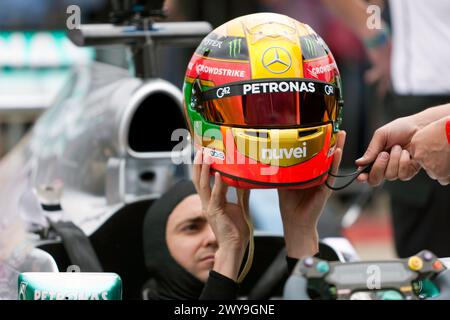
(262, 96)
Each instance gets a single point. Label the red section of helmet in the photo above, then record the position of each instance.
(246, 185)
(249, 173)
(323, 69)
(217, 71)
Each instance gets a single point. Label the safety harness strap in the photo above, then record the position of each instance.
(77, 245)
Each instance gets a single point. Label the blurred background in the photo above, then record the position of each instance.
(36, 60)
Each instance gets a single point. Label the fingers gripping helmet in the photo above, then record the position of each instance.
(262, 96)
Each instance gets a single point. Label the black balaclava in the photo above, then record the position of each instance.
(168, 280)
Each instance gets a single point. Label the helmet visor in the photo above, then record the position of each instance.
(275, 104)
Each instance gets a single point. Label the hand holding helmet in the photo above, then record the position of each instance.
(301, 209)
(226, 219)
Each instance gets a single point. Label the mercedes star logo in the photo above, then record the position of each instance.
(276, 60)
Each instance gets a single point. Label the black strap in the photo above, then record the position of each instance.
(78, 246)
(354, 175)
(274, 275)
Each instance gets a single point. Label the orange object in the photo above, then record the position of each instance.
(437, 265)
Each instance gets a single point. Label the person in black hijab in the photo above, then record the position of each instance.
(179, 250)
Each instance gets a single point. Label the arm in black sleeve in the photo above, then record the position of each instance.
(219, 287)
(292, 262)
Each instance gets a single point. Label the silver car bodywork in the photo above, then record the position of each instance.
(85, 145)
(83, 142)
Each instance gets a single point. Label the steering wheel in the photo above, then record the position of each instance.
(271, 282)
(422, 276)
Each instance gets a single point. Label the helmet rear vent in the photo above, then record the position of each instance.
(306, 133)
(258, 134)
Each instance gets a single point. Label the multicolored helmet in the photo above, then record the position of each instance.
(262, 96)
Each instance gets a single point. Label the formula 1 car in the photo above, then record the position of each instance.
(75, 191)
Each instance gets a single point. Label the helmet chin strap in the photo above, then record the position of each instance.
(243, 202)
(354, 175)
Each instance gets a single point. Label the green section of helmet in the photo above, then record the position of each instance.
(199, 125)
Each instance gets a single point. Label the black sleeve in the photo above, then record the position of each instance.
(219, 287)
(291, 262)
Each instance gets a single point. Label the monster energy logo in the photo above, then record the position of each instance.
(310, 47)
(313, 47)
(235, 47)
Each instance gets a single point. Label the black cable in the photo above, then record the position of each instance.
(355, 175)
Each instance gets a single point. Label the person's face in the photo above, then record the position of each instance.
(190, 239)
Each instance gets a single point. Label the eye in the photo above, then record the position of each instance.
(191, 228)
